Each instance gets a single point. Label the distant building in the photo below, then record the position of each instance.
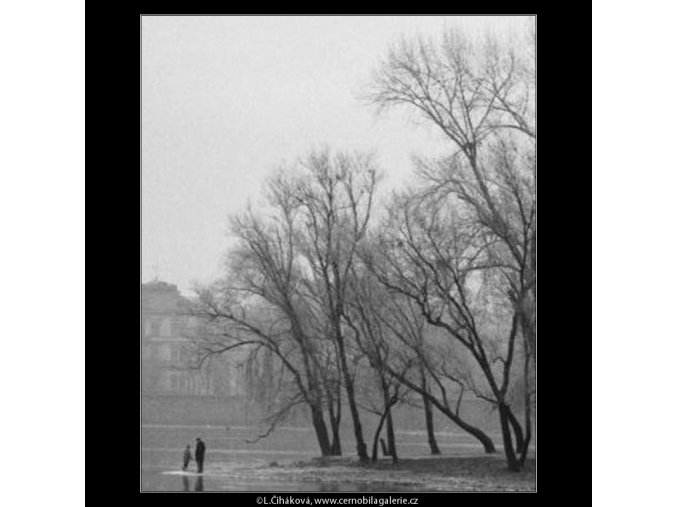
(166, 328)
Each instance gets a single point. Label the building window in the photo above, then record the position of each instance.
(166, 353)
(177, 356)
(166, 327)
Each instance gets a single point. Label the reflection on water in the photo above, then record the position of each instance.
(199, 486)
(158, 481)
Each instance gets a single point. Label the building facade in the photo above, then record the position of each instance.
(166, 359)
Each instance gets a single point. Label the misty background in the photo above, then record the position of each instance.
(226, 99)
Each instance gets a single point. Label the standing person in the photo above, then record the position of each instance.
(200, 454)
(186, 457)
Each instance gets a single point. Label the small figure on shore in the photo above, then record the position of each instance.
(187, 457)
(200, 449)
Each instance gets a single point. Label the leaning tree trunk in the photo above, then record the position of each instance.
(514, 463)
(350, 391)
(528, 327)
(390, 430)
(377, 433)
(320, 430)
(386, 417)
(389, 403)
(484, 439)
(527, 406)
(429, 424)
(335, 422)
(336, 437)
(428, 410)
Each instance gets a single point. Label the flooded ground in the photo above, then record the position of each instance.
(286, 461)
(160, 480)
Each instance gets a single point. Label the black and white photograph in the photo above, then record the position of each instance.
(331, 223)
(338, 253)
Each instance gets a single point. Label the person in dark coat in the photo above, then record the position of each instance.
(186, 457)
(200, 454)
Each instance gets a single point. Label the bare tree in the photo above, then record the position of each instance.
(411, 356)
(335, 197)
(408, 326)
(371, 338)
(438, 259)
(481, 97)
(260, 304)
(296, 263)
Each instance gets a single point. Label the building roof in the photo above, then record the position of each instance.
(162, 297)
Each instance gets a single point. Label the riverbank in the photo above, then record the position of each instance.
(435, 473)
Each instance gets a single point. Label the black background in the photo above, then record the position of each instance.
(113, 224)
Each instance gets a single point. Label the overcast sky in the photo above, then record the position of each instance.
(225, 99)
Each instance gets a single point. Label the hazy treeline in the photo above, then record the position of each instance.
(350, 309)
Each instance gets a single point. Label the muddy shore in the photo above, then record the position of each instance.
(438, 473)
